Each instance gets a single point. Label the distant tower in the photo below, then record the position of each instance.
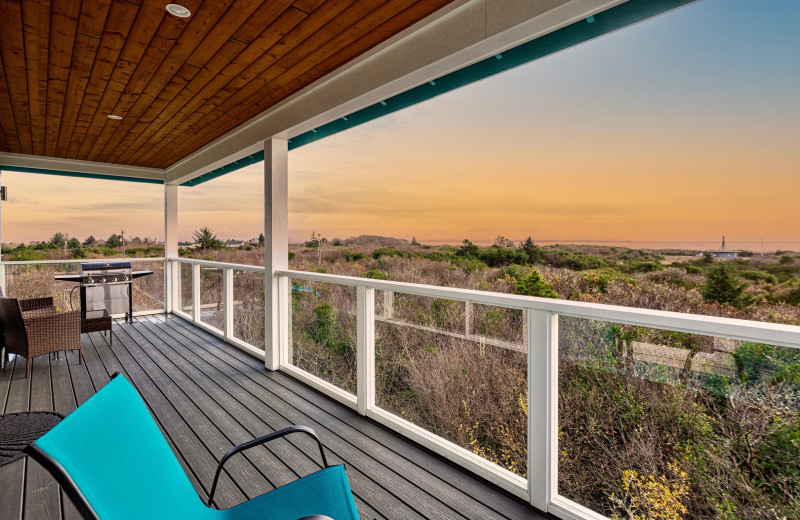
(723, 248)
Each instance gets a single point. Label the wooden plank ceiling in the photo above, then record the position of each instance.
(177, 83)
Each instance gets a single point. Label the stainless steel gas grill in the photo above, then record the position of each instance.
(106, 289)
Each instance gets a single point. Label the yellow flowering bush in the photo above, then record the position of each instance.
(650, 497)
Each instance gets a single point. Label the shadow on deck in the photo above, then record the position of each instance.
(208, 396)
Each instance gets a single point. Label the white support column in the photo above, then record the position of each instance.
(276, 242)
(196, 292)
(542, 407)
(227, 302)
(365, 348)
(172, 274)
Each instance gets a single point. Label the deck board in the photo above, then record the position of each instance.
(206, 397)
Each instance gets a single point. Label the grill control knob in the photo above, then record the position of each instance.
(90, 280)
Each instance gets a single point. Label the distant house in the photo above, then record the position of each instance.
(723, 251)
(234, 243)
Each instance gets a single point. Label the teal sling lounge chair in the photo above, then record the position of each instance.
(111, 459)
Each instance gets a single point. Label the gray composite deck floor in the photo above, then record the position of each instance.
(208, 396)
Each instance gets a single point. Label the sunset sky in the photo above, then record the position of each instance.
(680, 129)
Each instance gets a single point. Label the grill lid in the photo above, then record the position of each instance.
(105, 273)
(102, 266)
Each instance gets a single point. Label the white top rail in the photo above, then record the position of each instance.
(130, 259)
(744, 330)
(225, 265)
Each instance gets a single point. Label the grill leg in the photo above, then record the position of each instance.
(28, 367)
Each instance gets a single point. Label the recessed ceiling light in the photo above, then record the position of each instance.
(178, 10)
(112, 116)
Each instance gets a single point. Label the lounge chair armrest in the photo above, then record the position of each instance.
(35, 303)
(263, 440)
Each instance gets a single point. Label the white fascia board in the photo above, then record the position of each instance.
(11, 160)
(459, 35)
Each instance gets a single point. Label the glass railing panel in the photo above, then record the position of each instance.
(665, 424)
(248, 307)
(186, 288)
(457, 370)
(323, 331)
(37, 281)
(211, 300)
(148, 291)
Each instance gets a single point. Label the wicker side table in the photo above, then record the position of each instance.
(102, 323)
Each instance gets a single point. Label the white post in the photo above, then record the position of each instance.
(365, 348)
(276, 243)
(196, 292)
(542, 407)
(227, 302)
(172, 273)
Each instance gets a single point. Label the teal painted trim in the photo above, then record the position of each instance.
(80, 174)
(613, 19)
(228, 168)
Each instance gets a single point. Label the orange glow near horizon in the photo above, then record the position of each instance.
(621, 139)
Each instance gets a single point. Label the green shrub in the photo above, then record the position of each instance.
(376, 274)
(325, 330)
(768, 364)
(23, 255)
(786, 259)
(758, 276)
(723, 287)
(352, 256)
(292, 254)
(388, 251)
(534, 285)
(579, 261)
(516, 271)
(467, 263)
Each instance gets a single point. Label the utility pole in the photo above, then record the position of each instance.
(122, 235)
(66, 240)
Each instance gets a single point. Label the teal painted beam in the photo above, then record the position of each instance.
(228, 168)
(80, 174)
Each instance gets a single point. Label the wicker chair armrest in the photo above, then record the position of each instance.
(35, 303)
(54, 332)
(39, 311)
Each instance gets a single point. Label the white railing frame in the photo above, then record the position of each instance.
(540, 340)
(541, 487)
(194, 314)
